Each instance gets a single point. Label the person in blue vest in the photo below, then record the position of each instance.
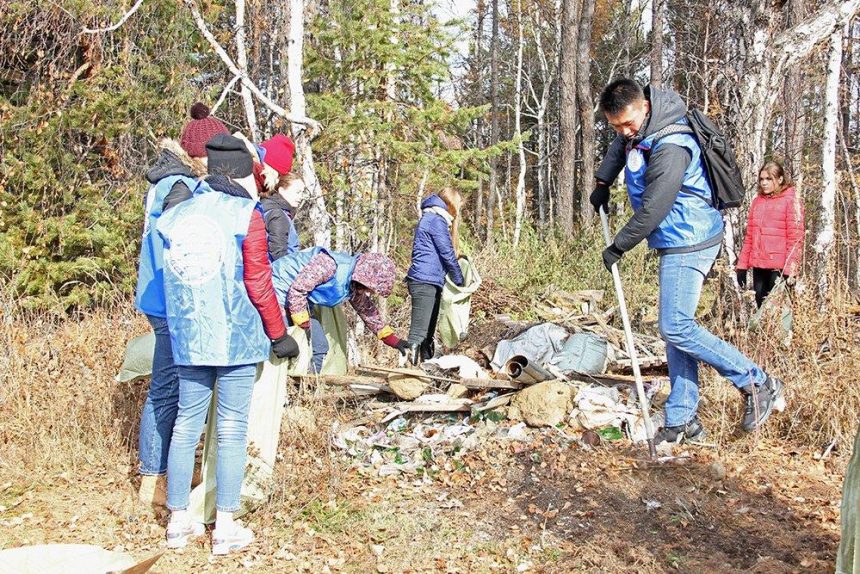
(223, 319)
(329, 278)
(671, 199)
(279, 208)
(434, 256)
(174, 175)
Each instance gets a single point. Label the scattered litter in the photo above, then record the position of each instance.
(522, 370)
(467, 367)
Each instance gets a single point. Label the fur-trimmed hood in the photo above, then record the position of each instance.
(173, 160)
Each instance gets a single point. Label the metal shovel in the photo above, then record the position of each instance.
(628, 339)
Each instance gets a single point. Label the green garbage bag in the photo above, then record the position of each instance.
(264, 428)
(456, 304)
(848, 556)
(137, 363)
(335, 326)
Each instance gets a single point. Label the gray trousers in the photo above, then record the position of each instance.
(425, 311)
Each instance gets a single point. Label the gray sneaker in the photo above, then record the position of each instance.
(692, 432)
(760, 401)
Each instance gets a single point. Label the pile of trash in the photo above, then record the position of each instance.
(544, 377)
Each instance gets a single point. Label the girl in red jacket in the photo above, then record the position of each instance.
(774, 237)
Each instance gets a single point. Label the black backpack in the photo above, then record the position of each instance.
(727, 185)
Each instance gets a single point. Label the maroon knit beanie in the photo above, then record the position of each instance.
(200, 130)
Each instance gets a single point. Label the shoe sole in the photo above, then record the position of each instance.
(777, 404)
(220, 550)
(183, 541)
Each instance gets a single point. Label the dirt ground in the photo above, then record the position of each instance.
(546, 505)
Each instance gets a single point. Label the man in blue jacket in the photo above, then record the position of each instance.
(671, 198)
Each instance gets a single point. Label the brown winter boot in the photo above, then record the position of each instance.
(153, 489)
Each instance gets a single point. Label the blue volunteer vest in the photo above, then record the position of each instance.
(692, 220)
(211, 319)
(149, 296)
(331, 293)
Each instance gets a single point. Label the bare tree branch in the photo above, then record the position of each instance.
(312, 125)
(116, 26)
(224, 93)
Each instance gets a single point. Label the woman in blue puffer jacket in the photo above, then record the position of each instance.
(434, 255)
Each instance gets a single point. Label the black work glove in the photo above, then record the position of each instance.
(285, 347)
(611, 255)
(742, 277)
(402, 347)
(600, 197)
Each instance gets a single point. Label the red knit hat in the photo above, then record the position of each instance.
(200, 130)
(279, 153)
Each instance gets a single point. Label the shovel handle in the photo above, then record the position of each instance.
(628, 340)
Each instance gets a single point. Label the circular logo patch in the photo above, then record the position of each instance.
(197, 250)
(634, 160)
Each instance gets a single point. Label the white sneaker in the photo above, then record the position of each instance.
(228, 542)
(178, 533)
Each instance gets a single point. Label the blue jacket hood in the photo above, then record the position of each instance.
(433, 201)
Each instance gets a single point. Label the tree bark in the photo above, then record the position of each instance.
(586, 108)
(518, 97)
(567, 115)
(320, 220)
(827, 209)
(657, 20)
(494, 119)
(795, 117)
(242, 64)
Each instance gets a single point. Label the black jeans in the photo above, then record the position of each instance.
(763, 282)
(425, 311)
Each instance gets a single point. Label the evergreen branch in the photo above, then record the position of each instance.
(116, 26)
(312, 125)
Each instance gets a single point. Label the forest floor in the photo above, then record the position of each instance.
(546, 505)
(542, 503)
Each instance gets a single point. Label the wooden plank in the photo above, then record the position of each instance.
(411, 407)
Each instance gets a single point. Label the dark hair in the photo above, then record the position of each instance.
(620, 94)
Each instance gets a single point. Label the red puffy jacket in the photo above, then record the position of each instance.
(774, 237)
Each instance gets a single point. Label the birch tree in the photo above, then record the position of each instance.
(825, 238)
(518, 97)
(320, 221)
(494, 118)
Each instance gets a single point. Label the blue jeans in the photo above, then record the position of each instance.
(235, 385)
(687, 342)
(162, 400)
(319, 345)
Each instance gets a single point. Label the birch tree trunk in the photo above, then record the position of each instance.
(567, 115)
(827, 210)
(494, 119)
(320, 221)
(518, 96)
(586, 108)
(242, 64)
